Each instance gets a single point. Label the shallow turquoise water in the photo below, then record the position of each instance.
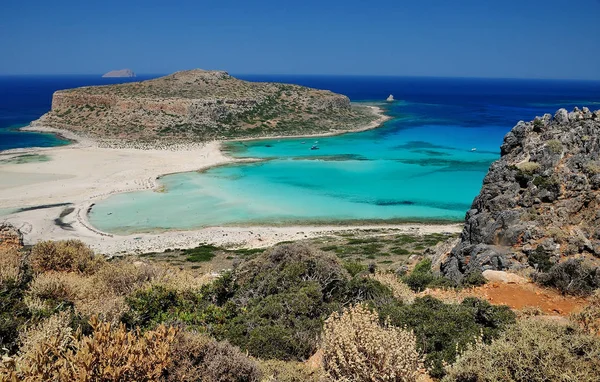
(383, 174)
(419, 166)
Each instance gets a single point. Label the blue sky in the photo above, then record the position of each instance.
(464, 38)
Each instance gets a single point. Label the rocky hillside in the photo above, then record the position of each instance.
(540, 202)
(197, 105)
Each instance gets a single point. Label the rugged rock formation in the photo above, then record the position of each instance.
(540, 202)
(198, 105)
(119, 73)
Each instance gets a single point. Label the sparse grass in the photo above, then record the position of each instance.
(528, 168)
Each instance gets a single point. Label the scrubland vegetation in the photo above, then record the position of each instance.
(288, 313)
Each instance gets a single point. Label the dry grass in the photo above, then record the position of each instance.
(108, 354)
(55, 328)
(11, 265)
(357, 348)
(53, 286)
(289, 371)
(589, 317)
(528, 167)
(531, 351)
(400, 290)
(64, 256)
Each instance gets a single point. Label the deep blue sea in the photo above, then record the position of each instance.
(426, 163)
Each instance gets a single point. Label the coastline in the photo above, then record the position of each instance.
(86, 171)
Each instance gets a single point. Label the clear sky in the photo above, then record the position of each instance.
(465, 38)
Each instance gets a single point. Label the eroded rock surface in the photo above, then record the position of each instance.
(539, 202)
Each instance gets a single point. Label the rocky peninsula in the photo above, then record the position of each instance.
(539, 202)
(199, 105)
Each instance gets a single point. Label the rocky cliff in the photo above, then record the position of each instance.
(540, 202)
(198, 105)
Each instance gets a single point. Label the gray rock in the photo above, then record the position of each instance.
(518, 211)
(561, 116)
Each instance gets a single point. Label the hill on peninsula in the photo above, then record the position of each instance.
(197, 105)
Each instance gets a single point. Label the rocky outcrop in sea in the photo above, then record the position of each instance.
(200, 105)
(540, 202)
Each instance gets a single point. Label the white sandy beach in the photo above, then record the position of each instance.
(83, 173)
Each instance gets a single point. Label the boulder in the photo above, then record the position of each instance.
(503, 277)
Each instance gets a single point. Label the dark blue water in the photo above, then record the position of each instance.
(454, 101)
(25, 98)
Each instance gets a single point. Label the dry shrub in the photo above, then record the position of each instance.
(531, 351)
(52, 286)
(11, 265)
(400, 290)
(289, 371)
(89, 298)
(357, 348)
(55, 327)
(589, 317)
(197, 357)
(65, 256)
(182, 280)
(123, 277)
(108, 354)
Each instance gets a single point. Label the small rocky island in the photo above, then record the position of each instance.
(119, 73)
(539, 202)
(199, 105)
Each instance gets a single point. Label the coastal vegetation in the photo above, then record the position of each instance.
(287, 313)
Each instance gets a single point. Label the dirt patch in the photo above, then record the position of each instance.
(517, 296)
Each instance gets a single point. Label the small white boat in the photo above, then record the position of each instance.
(474, 149)
(314, 147)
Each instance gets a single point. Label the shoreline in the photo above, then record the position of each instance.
(86, 171)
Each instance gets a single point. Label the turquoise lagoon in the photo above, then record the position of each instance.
(425, 164)
(426, 173)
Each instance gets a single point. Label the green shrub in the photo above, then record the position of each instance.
(444, 330)
(554, 146)
(571, 277)
(422, 277)
(474, 278)
(540, 259)
(158, 304)
(531, 351)
(14, 314)
(202, 253)
(354, 268)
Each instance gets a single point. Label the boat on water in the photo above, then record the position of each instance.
(314, 147)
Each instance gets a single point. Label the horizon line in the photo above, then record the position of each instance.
(310, 75)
